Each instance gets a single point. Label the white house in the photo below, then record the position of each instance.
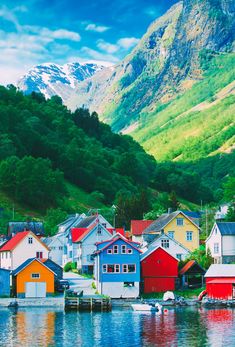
(172, 246)
(85, 240)
(221, 242)
(56, 245)
(21, 247)
(71, 247)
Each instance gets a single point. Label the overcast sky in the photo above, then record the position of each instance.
(61, 31)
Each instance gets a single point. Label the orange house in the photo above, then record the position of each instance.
(33, 279)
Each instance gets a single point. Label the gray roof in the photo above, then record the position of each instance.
(86, 222)
(161, 222)
(221, 270)
(226, 228)
(36, 227)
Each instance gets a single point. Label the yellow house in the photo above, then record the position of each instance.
(178, 226)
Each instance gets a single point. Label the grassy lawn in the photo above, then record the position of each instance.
(186, 293)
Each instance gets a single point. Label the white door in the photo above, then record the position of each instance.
(35, 289)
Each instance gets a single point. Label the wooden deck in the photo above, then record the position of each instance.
(88, 303)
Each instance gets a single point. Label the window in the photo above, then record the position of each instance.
(6, 255)
(130, 251)
(189, 235)
(216, 248)
(104, 225)
(165, 243)
(123, 249)
(128, 268)
(30, 240)
(116, 268)
(35, 275)
(171, 234)
(128, 284)
(60, 248)
(115, 249)
(180, 221)
(104, 268)
(39, 255)
(70, 254)
(179, 256)
(99, 230)
(109, 251)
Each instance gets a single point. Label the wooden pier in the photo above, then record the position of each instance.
(88, 303)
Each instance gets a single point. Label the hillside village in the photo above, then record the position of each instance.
(155, 256)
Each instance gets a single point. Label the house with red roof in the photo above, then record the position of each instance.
(84, 241)
(137, 228)
(21, 247)
(117, 267)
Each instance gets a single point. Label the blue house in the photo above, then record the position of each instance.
(4, 282)
(117, 267)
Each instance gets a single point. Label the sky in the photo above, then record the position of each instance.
(61, 31)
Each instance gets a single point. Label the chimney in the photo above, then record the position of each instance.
(169, 211)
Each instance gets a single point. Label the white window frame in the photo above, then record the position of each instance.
(35, 275)
(109, 251)
(129, 251)
(123, 246)
(189, 239)
(216, 248)
(127, 266)
(115, 266)
(115, 247)
(30, 240)
(165, 243)
(104, 268)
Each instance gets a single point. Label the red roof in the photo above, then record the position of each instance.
(116, 230)
(138, 226)
(222, 280)
(77, 233)
(14, 241)
(187, 266)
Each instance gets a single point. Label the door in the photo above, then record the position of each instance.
(35, 290)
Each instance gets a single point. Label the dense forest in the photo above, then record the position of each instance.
(43, 145)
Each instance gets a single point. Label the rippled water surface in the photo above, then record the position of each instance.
(179, 327)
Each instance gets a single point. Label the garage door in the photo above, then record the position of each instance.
(35, 290)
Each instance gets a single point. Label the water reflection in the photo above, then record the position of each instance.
(178, 327)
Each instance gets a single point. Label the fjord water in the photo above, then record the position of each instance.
(36, 327)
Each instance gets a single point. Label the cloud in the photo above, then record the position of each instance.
(96, 28)
(152, 11)
(9, 16)
(107, 47)
(127, 42)
(92, 54)
(51, 35)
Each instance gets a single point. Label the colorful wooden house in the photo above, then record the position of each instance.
(170, 245)
(137, 228)
(221, 242)
(4, 282)
(178, 226)
(159, 270)
(192, 275)
(21, 247)
(220, 281)
(33, 279)
(117, 267)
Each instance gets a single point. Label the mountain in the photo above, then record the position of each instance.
(53, 79)
(165, 63)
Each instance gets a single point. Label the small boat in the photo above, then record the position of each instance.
(147, 307)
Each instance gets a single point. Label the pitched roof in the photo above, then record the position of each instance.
(28, 262)
(14, 241)
(36, 227)
(138, 226)
(189, 266)
(226, 228)
(221, 270)
(166, 236)
(76, 233)
(86, 222)
(119, 237)
(113, 231)
(152, 249)
(163, 220)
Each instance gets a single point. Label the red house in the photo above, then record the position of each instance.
(220, 281)
(159, 270)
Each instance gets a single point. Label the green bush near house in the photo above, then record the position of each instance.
(93, 285)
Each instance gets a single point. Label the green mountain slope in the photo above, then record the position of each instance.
(198, 123)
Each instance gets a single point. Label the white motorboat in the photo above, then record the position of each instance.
(147, 307)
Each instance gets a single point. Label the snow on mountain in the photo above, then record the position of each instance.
(53, 79)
